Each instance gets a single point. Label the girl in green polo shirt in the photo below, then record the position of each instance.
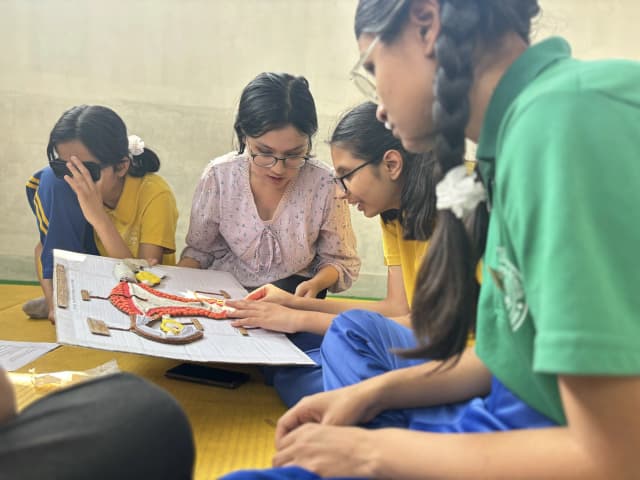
(553, 383)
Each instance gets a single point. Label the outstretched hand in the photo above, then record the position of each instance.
(271, 293)
(263, 314)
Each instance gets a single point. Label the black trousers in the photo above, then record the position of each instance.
(116, 427)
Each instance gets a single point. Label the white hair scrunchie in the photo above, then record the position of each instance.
(459, 192)
(136, 145)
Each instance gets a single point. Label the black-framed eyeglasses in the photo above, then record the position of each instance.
(60, 168)
(339, 181)
(268, 160)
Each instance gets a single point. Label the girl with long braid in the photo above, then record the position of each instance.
(552, 384)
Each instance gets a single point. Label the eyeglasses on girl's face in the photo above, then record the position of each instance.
(268, 160)
(340, 181)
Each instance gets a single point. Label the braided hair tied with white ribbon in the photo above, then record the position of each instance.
(460, 192)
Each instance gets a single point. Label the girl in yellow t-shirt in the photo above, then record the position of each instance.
(99, 194)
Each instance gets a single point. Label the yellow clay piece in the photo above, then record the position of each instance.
(147, 278)
(169, 325)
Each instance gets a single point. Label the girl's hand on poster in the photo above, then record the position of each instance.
(270, 316)
(270, 293)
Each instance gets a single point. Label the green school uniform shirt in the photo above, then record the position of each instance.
(560, 155)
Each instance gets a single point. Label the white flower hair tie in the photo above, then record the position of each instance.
(459, 192)
(136, 145)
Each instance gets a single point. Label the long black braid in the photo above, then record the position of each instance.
(443, 316)
(444, 305)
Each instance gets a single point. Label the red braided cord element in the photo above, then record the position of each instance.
(121, 298)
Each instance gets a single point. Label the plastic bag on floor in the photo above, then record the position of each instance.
(43, 382)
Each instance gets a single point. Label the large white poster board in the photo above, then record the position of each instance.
(221, 341)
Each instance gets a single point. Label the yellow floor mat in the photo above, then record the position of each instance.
(233, 429)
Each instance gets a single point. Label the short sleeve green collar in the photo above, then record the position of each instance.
(528, 66)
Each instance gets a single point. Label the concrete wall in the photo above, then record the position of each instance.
(174, 71)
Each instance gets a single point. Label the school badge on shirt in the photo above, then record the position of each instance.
(509, 281)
